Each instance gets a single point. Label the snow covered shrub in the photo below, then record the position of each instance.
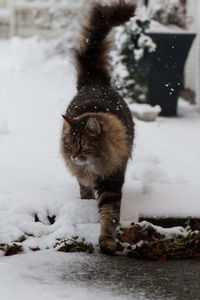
(168, 11)
(128, 74)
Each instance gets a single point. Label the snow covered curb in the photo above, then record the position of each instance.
(142, 241)
(146, 241)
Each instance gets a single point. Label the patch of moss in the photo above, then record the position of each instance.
(74, 244)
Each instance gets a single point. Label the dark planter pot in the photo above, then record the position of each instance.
(164, 69)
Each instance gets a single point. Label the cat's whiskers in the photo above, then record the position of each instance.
(78, 161)
(87, 164)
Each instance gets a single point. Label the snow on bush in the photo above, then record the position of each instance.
(168, 11)
(128, 74)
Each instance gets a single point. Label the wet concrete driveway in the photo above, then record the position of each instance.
(137, 279)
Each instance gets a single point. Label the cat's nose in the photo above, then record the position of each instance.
(73, 157)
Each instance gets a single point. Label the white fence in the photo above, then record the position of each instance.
(7, 18)
(45, 18)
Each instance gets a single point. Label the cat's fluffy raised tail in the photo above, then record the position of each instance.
(91, 54)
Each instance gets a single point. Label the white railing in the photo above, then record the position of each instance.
(45, 18)
(7, 18)
(192, 68)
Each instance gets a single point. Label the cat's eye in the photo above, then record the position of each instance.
(69, 145)
(84, 146)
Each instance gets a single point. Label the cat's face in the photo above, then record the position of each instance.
(83, 141)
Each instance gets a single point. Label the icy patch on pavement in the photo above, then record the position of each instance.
(42, 276)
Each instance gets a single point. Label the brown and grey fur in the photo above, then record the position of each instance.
(98, 130)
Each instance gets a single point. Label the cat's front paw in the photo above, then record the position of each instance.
(86, 192)
(107, 245)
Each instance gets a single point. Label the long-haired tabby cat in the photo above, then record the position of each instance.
(98, 130)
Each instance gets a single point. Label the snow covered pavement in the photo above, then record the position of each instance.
(163, 179)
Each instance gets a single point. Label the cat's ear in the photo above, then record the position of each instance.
(93, 127)
(104, 126)
(67, 121)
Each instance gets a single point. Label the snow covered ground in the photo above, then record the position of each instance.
(35, 88)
